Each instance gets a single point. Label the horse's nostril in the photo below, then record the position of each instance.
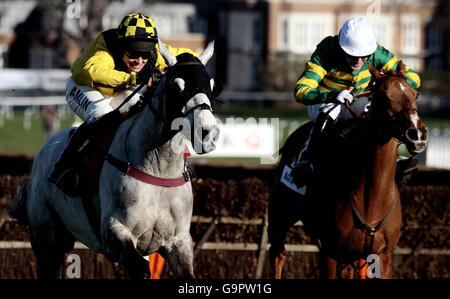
(411, 134)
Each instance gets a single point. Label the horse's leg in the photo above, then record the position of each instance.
(180, 256)
(327, 267)
(284, 210)
(277, 261)
(277, 252)
(345, 271)
(49, 238)
(120, 247)
(387, 263)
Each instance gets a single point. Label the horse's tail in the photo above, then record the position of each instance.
(18, 208)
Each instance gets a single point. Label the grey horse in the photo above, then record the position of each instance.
(134, 217)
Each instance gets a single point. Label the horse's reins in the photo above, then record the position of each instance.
(135, 91)
(347, 105)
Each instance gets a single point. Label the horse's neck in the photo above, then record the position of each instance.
(378, 185)
(385, 156)
(384, 164)
(148, 147)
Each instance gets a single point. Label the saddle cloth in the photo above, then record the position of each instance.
(286, 177)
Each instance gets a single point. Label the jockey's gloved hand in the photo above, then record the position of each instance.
(345, 95)
(156, 76)
(145, 74)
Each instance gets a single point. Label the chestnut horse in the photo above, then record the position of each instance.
(352, 207)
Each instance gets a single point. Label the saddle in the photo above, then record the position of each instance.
(89, 173)
(332, 141)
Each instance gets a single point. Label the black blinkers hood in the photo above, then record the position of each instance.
(193, 72)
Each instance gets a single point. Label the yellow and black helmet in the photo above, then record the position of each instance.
(137, 26)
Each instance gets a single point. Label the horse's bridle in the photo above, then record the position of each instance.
(165, 119)
(202, 106)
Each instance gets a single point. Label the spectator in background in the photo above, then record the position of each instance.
(48, 117)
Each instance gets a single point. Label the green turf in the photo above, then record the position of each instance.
(15, 138)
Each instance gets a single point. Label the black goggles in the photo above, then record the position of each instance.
(357, 57)
(136, 54)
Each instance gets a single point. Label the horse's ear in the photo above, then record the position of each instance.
(169, 57)
(207, 53)
(401, 68)
(376, 73)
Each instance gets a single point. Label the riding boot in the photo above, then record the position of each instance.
(406, 167)
(302, 173)
(65, 174)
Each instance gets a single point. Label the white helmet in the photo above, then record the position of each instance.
(357, 38)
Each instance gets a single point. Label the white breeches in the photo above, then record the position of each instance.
(90, 104)
(341, 112)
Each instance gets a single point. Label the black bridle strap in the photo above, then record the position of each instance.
(394, 116)
(372, 230)
(202, 106)
(188, 63)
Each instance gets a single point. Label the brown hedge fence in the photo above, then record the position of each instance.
(228, 228)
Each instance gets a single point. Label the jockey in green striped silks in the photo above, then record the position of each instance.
(337, 71)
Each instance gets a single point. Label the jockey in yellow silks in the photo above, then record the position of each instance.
(338, 70)
(115, 61)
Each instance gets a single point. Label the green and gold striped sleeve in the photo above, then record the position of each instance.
(306, 90)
